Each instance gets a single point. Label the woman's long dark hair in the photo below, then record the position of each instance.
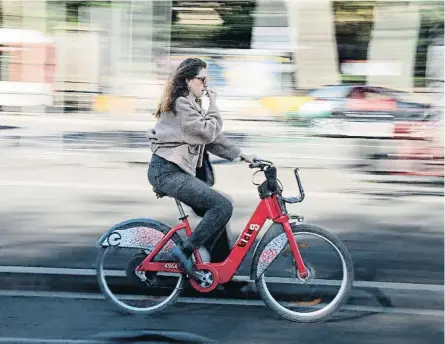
(177, 85)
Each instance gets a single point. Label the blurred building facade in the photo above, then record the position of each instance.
(393, 44)
(123, 47)
(100, 48)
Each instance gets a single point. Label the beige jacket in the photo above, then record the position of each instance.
(182, 138)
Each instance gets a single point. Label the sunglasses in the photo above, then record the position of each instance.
(202, 78)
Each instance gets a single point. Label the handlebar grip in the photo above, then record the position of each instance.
(299, 198)
(257, 162)
(300, 186)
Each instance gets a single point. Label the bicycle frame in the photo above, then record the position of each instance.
(268, 208)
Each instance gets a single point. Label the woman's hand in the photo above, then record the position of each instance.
(248, 158)
(212, 94)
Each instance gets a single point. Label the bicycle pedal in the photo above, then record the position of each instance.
(197, 276)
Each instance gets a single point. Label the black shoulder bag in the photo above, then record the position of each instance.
(205, 172)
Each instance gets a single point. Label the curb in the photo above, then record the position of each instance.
(383, 295)
(88, 283)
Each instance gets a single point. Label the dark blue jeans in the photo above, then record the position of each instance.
(170, 179)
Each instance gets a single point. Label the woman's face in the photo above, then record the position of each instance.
(198, 84)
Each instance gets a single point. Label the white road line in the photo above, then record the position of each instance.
(211, 301)
(92, 272)
(46, 271)
(13, 340)
(355, 308)
(51, 294)
(400, 286)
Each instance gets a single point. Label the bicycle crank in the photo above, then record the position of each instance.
(205, 280)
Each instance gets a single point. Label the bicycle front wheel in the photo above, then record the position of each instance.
(311, 299)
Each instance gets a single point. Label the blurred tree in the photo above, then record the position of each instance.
(431, 27)
(234, 31)
(237, 24)
(73, 6)
(353, 26)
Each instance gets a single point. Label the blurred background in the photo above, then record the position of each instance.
(351, 92)
(372, 70)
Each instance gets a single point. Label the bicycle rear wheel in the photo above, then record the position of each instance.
(131, 291)
(330, 280)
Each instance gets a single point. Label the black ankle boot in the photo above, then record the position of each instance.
(185, 262)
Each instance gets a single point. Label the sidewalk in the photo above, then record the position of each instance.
(137, 122)
(229, 115)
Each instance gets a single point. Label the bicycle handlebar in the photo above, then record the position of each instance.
(262, 164)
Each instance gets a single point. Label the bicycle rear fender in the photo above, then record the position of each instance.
(140, 233)
(269, 248)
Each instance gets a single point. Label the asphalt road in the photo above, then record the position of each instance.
(65, 320)
(60, 193)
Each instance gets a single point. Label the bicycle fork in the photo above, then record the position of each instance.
(294, 249)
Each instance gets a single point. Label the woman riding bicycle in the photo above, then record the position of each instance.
(183, 134)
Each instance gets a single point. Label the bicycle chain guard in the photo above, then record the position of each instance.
(211, 276)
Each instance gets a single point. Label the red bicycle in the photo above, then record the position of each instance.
(155, 280)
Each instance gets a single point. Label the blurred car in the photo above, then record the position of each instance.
(396, 134)
(359, 110)
(278, 106)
